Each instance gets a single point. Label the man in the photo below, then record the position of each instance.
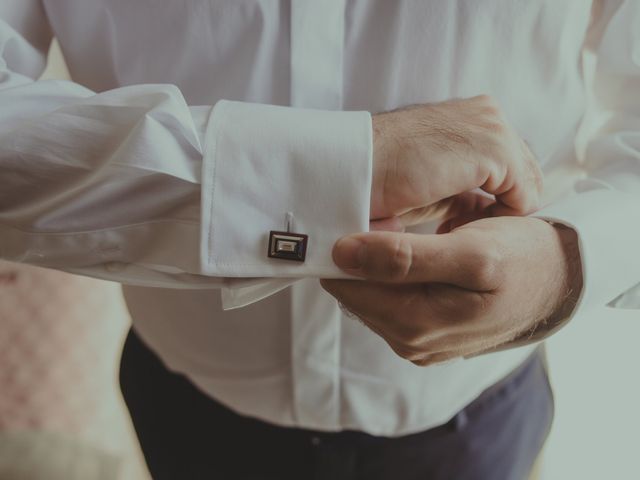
(123, 176)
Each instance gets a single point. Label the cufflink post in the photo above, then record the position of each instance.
(287, 245)
(288, 221)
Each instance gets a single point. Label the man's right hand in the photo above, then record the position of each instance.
(428, 158)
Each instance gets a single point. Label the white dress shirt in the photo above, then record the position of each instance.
(192, 128)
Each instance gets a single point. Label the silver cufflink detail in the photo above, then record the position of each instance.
(287, 245)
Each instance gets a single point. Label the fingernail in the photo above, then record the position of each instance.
(349, 253)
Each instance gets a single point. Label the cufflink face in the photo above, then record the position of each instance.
(287, 246)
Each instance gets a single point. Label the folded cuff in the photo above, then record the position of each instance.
(262, 162)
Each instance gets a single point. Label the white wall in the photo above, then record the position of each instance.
(594, 369)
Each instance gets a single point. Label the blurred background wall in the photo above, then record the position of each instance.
(62, 417)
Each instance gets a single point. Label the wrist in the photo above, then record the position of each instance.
(564, 282)
(378, 172)
(385, 153)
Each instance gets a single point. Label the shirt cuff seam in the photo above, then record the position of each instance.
(211, 234)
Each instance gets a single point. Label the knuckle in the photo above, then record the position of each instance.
(489, 105)
(400, 257)
(422, 362)
(530, 205)
(484, 270)
(495, 127)
(410, 335)
(440, 358)
(413, 340)
(485, 99)
(477, 305)
(405, 352)
(493, 120)
(538, 180)
(501, 165)
(487, 267)
(434, 359)
(535, 172)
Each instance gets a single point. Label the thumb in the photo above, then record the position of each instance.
(406, 257)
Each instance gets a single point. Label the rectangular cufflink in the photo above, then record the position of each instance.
(287, 246)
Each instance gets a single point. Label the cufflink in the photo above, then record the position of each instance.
(287, 246)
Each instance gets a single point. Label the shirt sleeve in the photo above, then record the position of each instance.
(604, 206)
(134, 185)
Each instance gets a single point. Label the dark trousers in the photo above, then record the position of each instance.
(186, 435)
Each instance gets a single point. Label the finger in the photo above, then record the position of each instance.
(468, 202)
(523, 195)
(397, 313)
(436, 308)
(391, 224)
(374, 302)
(463, 203)
(457, 345)
(418, 326)
(453, 258)
(435, 359)
(517, 201)
(424, 214)
(482, 208)
(420, 215)
(491, 209)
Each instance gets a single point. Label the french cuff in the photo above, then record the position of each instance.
(240, 292)
(607, 223)
(263, 164)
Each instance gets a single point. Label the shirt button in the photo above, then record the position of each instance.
(315, 441)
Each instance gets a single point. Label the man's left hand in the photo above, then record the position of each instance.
(438, 297)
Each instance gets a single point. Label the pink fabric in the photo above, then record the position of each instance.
(53, 360)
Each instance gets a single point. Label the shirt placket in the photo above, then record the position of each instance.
(317, 48)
